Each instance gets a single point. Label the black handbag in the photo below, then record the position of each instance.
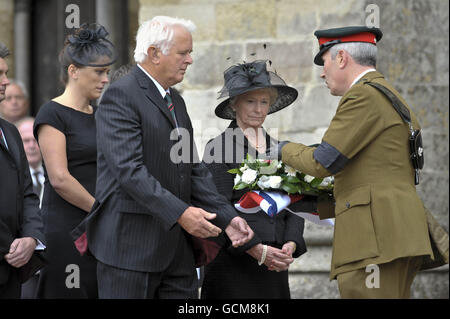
(415, 144)
(415, 136)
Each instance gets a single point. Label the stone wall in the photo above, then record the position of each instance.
(413, 54)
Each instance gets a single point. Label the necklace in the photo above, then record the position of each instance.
(255, 144)
(251, 138)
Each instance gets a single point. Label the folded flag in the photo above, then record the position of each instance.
(274, 202)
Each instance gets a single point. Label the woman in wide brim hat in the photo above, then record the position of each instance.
(252, 92)
(253, 76)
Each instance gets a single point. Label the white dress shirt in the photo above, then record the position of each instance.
(41, 180)
(159, 87)
(361, 75)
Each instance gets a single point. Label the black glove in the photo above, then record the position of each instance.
(274, 153)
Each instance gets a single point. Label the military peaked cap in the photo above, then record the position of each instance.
(328, 38)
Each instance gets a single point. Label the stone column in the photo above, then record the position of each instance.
(104, 10)
(112, 14)
(22, 41)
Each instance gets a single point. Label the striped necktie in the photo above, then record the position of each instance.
(171, 108)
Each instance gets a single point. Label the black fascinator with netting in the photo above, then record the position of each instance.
(88, 46)
(242, 78)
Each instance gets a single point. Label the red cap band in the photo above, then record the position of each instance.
(359, 37)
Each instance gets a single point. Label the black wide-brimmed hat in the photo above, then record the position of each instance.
(328, 38)
(246, 77)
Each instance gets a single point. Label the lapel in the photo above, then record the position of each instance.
(152, 93)
(13, 148)
(2, 142)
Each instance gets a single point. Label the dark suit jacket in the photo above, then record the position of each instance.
(141, 191)
(19, 206)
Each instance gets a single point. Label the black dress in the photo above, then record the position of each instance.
(68, 274)
(234, 273)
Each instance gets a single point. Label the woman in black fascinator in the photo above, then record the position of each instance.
(66, 133)
(259, 268)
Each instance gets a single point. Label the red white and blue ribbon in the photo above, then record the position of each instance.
(274, 202)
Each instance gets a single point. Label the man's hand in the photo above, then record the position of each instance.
(239, 232)
(195, 221)
(20, 251)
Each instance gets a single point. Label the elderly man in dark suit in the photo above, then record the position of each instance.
(33, 153)
(20, 222)
(149, 203)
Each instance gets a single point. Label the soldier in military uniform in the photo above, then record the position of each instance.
(380, 219)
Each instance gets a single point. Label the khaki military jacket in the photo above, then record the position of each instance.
(379, 216)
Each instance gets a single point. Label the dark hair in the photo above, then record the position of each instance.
(123, 70)
(4, 52)
(84, 48)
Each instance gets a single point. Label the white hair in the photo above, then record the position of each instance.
(362, 52)
(159, 33)
(20, 85)
(4, 52)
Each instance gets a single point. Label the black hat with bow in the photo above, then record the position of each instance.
(88, 46)
(252, 76)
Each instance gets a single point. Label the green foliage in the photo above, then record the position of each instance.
(290, 180)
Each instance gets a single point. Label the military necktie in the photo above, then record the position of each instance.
(171, 108)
